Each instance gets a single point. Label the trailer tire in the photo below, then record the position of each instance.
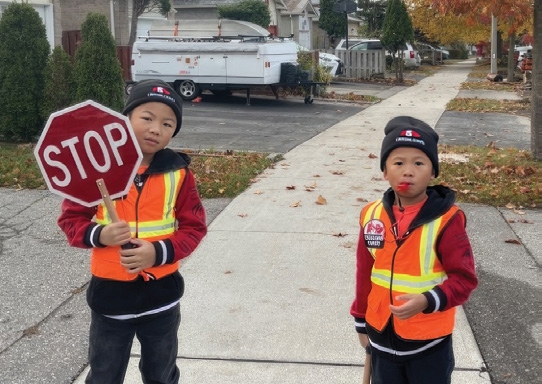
(187, 89)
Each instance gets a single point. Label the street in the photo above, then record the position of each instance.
(228, 123)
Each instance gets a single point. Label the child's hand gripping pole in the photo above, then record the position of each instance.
(111, 209)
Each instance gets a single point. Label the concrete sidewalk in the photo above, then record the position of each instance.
(268, 291)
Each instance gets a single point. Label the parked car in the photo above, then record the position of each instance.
(367, 45)
(428, 52)
(410, 54)
(351, 43)
(327, 60)
(332, 62)
(445, 52)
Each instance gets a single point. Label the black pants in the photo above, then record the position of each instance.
(111, 343)
(435, 366)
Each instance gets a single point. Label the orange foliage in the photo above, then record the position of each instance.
(516, 14)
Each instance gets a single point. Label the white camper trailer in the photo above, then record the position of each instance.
(219, 65)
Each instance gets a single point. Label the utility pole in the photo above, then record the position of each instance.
(493, 44)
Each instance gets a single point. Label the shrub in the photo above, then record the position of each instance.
(254, 11)
(59, 89)
(458, 54)
(23, 55)
(97, 71)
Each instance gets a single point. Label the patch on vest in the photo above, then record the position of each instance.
(373, 234)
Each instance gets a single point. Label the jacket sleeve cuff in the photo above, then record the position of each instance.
(164, 252)
(361, 325)
(436, 300)
(92, 236)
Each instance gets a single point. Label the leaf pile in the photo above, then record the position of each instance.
(492, 176)
(18, 167)
(351, 97)
(521, 107)
(489, 86)
(227, 174)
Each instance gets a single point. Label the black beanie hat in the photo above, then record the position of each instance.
(147, 91)
(406, 131)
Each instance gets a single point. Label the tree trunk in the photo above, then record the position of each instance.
(511, 62)
(133, 30)
(401, 65)
(536, 99)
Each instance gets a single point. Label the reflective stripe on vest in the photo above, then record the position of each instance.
(396, 272)
(155, 222)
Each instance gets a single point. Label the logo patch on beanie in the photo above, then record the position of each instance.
(410, 136)
(409, 133)
(161, 90)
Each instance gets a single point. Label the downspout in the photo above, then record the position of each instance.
(112, 16)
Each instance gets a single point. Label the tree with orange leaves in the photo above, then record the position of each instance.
(445, 28)
(516, 15)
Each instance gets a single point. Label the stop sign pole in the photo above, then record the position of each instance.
(107, 200)
(85, 147)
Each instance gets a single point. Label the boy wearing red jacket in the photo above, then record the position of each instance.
(136, 286)
(414, 263)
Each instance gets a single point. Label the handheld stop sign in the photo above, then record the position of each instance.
(88, 153)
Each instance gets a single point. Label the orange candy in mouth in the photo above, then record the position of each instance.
(402, 187)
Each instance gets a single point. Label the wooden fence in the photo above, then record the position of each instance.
(361, 64)
(72, 39)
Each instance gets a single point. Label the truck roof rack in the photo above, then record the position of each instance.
(193, 39)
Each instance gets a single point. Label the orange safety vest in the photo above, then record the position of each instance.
(156, 221)
(412, 267)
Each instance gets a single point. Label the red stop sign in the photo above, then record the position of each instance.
(84, 143)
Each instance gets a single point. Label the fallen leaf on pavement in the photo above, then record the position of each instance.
(321, 200)
(512, 241)
(258, 192)
(337, 172)
(339, 234)
(290, 187)
(242, 215)
(348, 244)
(296, 204)
(372, 156)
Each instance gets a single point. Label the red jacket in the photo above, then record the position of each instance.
(111, 297)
